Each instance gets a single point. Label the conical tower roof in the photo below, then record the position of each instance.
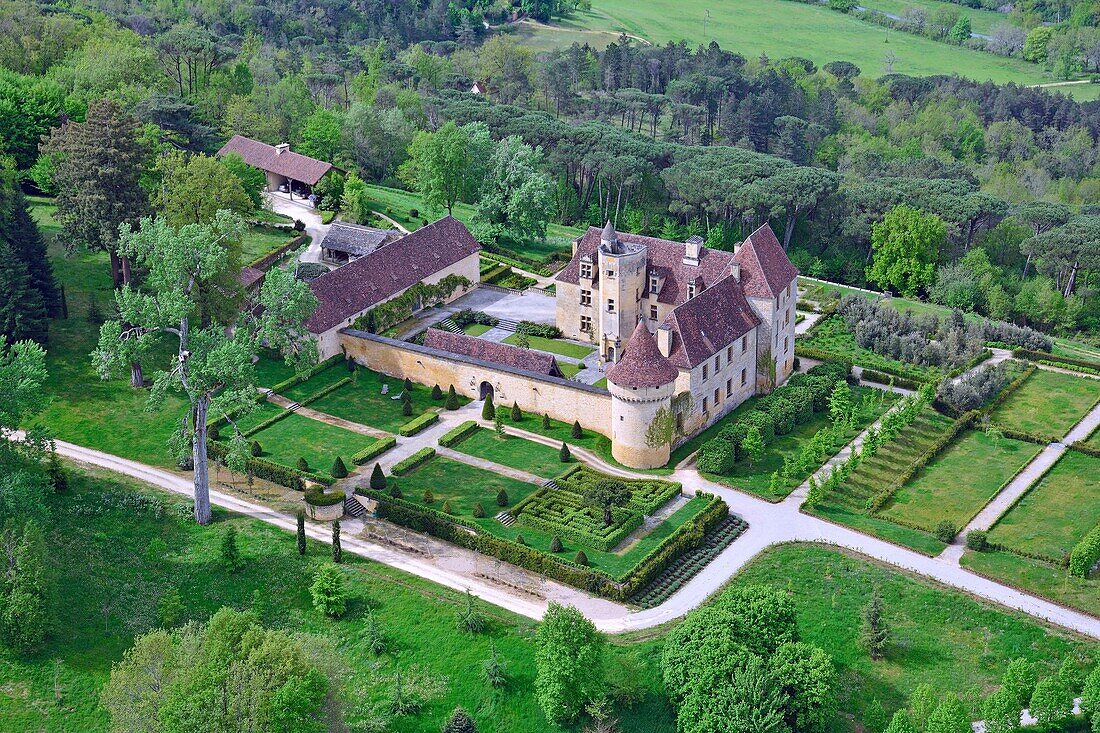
(643, 364)
(608, 234)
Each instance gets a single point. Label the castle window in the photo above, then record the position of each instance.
(586, 269)
(744, 344)
(653, 312)
(706, 407)
(729, 354)
(654, 283)
(586, 297)
(610, 272)
(786, 343)
(586, 324)
(729, 388)
(717, 363)
(610, 305)
(744, 376)
(704, 371)
(717, 396)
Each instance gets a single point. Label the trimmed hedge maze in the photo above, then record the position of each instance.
(565, 513)
(688, 565)
(646, 495)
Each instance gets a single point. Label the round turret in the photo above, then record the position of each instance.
(642, 384)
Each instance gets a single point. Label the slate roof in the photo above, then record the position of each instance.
(665, 258)
(765, 269)
(266, 157)
(387, 271)
(708, 323)
(642, 364)
(491, 351)
(357, 240)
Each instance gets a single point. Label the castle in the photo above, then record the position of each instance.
(688, 333)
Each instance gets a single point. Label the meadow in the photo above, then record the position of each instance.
(1048, 404)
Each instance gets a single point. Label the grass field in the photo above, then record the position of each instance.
(397, 204)
(1055, 513)
(960, 481)
(757, 478)
(128, 559)
(815, 32)
(1038, 577)
(1048, 404)
(464, 486)
(554, 346)
(362, 401)
(259, 240)
(319, 443)
(525, 455)
(981, 21)
(940, 637)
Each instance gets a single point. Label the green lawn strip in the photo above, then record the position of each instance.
(476, 329)
(513, 451)
(981, 21)
(940, 637)
(833, 337)
(914, 539)
(569, 369)
(129, 558)
(554, 346)
(261, 240)
(1056, 512)
(271, 369)
(327, 378)
(1038, 577)
(464, 486)
(319, 443)
(590, 440)
(757, 478)
(264, 411)
(960, 481)
(362, 401)
(601, 383)
(1048, 403)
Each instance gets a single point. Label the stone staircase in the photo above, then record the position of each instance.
(505, 324)
(506, 519)
(448, 324)
(353, 508)
(293, 406)
(551, 484)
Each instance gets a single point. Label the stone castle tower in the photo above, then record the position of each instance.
(622, 281)
(642, 384)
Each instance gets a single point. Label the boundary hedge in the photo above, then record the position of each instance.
(1085, 554)
(374, 450)
(1055, 360)
(874, 375)
(416, 459)
(414, 426)
(454, 436)
(320, 497)
(326, 391)
(276, 473)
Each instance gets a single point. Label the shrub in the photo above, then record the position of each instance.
(577, 432)
(452, 399)
(717, 456)
(374, 450)
(581, 559)
(256, 450)
(456, 435)
(416, 459)
(446, 508)
(945, 531)
(783, 414)
(408, 385)
(395, 492)
(406, 408)
(479, 511)
(502, 498)
(488, 410)
(543, 330)
(377, 478)
(302, 465)
(555, 544)
(231, 555)
(339, 470)
(977, 540)
(319, 497)
(973, 389)
(517, 414)
(1085, 554)
(328, 591)
(564, 454)
(414, 426)
(763, 421)
(437, 393)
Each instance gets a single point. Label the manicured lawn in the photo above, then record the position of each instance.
(1038, 577)
(476, 329)
(264, 411)
(960, 481)
(569, 369)
(398, 204)
(940, 637)
(271, 369)
(1056, 512)
(832, 336)
(260, 240)
(817, 33)
(128, 559)
(327, 378)
(756, 479)
(554, 346)
(362, 401)
(1048, 403)
(526, 455)
(464, 486)
(319, 443)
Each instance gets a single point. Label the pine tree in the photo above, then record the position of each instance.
(337, 550)
(301, 532)
(231, 555)
(564, 454)
(470, 620)
(406, 408)
(577, 432)
(377, 478)
(874, 633)
(459, 722)
(545, 421)
(488, 410)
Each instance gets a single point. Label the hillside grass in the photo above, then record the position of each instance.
(782, 29)
(1048, 404)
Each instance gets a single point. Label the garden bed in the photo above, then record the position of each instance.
(296, 436)
(1048, 404)
(830, 338)
(362, 400)
(515, 452)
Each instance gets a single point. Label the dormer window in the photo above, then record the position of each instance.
(654, 283)
(586, 270)
(691, 290)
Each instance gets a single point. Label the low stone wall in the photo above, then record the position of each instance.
(561, 399)
(323, 513)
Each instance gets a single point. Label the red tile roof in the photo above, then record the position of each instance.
(249, 276)
(491, 351)
(708, 323)
(267, 157)
(664, 258)
(387, 271)
(765, 269)
(642, 364)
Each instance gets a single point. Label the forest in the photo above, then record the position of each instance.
(993, 187)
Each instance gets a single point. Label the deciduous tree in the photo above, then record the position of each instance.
(569, 663)
(906, 245)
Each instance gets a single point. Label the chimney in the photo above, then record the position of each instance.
(691, 250)
(282, 148)
(735, 270)
(664, 340)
